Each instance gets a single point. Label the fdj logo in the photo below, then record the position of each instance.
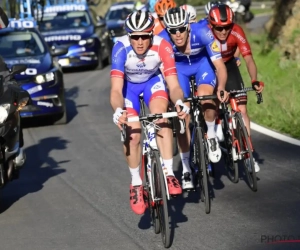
(21, 24)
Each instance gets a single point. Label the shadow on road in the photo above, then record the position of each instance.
(39, 167)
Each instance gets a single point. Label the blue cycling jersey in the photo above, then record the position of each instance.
(202, 44)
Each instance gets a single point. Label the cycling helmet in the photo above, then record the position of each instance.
(191, 11)
(176, 17)
(209, 5)
(139, 21)
(162, 6)
(220, 15)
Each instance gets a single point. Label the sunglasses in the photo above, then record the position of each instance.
(180, 30)
(137, 37)
(221, 28)
(161, 18)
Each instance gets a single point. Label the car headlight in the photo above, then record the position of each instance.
(86, 41)
(44, 78)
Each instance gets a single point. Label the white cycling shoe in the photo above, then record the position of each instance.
(214, 152)
(256, 166)
(187, 181)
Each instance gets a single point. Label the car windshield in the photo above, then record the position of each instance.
(20, 44)
(117, 14)
(65, 20)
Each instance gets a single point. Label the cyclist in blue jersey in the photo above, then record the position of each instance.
(196, 54)
(136, 59)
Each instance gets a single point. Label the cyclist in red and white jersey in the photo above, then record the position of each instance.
(231, 36)
(136, 59)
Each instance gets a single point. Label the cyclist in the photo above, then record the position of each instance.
(196, 54)
(231, 36)
(161, 7)
(207, 8)
(136, 59)
(191, 11)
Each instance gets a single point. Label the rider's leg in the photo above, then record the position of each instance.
(206, 83)
(156, 97)
(132, 149)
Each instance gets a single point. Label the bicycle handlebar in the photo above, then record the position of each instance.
(248, 89)
(200, 98)
(151, 117)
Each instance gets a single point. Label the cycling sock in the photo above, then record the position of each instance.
(135, 176)
(211, 129)
(185, 159)
(168, 164)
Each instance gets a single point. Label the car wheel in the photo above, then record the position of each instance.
(100, 61)
(61, 118)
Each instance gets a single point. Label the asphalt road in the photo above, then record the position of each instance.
(73, 192)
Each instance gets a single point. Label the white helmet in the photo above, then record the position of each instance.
(191, 11)
(176, 17)
(209, 5)
(139, 21)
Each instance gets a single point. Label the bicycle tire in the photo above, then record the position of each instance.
(147, 195)
(245, 146)
(202, 162)
(162, 203)
(231, 166)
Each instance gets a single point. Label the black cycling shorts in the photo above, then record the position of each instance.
(235, 81)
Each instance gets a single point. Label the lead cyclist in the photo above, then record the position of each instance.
(136, 59)
(196, 54)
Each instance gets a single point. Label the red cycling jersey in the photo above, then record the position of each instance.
(236, 38)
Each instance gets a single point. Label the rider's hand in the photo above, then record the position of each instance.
(258, 86)
(238, 61)
(120, 117)
(182, 109)
(224, 97)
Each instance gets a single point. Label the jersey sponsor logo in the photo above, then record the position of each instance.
(214, 47)
(238, 36)
(204, 75)
(141, 64)
(157, 86)
(210, 35)
(63, 38)
(168, 50)
(128, 103)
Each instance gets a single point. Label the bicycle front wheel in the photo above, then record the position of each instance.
(161, 200)
(246, 151)
(202, 162)
(230, 165)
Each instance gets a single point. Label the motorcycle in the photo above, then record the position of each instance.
(12, 99)
(241, 11)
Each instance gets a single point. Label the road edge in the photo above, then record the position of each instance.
(274, 134)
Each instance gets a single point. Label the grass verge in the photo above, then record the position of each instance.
(280, 110)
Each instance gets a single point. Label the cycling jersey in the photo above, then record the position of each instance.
(204, 50)
(158, 28)
(235, 39)
(141, 73)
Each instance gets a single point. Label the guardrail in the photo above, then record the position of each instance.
(254, 6)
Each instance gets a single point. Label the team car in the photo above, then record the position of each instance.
(22, 43)
(77, 27)
(115, 18)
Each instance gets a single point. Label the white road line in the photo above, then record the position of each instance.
(274, 134)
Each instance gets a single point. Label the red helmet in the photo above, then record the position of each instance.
(220, 15)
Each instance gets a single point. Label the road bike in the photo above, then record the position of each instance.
(199, 160)
(237, 145)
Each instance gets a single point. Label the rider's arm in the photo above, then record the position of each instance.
(245, 50)
(168, 60)
(237, 52)
(221, 73)
(117, 75)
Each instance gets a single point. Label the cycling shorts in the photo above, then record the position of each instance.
(153, 88)
(203, 71)
(235, 81)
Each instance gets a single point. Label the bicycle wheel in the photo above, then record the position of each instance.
(230, 165)
(202, 162)
(161, 200)
(246, 151)
(147, 194)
